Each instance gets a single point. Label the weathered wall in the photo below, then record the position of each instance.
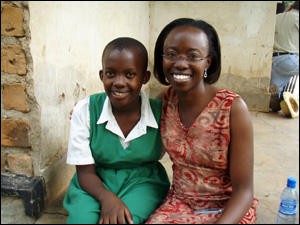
(51, 54)
(18, 107)
(67, 43)
(246, 32)
(20, 112)
(50, 59)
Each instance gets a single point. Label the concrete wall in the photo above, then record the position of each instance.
(246, 32)
(67, 44)
(62, 43)
(67, 40)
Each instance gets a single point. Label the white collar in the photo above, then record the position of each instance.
(147, 119)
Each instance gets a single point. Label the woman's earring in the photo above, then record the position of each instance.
(205, 73)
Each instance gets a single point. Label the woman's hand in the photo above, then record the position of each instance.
(72, 112)
(114, 211)
(289, 8)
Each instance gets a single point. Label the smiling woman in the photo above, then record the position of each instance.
(203, 128)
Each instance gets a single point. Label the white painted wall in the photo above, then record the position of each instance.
(67, 40)
(67, 43)
(246, 32)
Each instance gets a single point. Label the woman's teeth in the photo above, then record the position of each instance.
(181, 77)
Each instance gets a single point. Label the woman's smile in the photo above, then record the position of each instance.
(181, 77)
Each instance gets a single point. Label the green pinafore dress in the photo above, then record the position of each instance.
(133, 174)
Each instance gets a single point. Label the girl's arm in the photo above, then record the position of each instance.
(240, 164)
(113, 210)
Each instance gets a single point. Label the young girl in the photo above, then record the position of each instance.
(206, 131)
(115, 144)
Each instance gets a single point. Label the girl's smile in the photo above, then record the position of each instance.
(120, 95)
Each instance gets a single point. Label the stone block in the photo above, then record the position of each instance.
(14, 97)
(12, 21)
(15, 133)
(32, 189)
(13, 59)
(256, 101)
(2, 161)
(20, 164)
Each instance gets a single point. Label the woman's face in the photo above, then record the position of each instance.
(188, 41)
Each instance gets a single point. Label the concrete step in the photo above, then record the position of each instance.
(54, 212)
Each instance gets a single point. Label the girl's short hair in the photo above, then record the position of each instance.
(213, 72)
(130, 44)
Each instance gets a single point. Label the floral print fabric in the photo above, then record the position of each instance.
(199, 154)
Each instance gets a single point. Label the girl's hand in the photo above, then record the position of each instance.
(114, 211)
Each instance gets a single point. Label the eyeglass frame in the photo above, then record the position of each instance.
(185, 57)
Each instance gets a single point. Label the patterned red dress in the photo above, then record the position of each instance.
(200, 162)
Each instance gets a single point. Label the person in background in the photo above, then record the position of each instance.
(206, 131)
(280, 7)
(285, 61)
(115, 144)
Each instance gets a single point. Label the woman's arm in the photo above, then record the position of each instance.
(289, 8)
(240, 164)
(113, 210)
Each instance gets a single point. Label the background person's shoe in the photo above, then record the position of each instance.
(275, 101)
(290, 105)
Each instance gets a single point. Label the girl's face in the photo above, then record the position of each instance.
(188, 41)
(123, 77)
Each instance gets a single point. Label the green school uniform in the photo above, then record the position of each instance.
(133, 174)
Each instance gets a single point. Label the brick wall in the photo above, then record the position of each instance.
(16, 102)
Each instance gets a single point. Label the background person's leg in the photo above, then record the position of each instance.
(283, 68)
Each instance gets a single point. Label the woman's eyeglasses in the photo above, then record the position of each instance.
(191, 59)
